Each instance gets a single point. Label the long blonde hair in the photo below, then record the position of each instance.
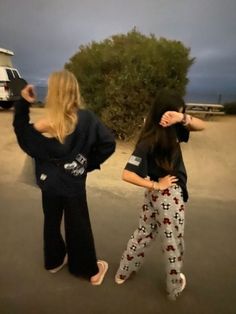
(62, 103)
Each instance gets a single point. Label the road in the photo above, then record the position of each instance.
(210, 259)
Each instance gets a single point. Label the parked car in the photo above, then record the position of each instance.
(11, 82)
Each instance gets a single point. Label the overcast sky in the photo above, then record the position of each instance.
(44, 34)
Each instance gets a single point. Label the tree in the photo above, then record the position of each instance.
(120, 76)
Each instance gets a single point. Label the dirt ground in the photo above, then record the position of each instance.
(209, 157)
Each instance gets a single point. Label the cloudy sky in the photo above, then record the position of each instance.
(44, 34)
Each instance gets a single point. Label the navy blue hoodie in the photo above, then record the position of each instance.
(62, 168)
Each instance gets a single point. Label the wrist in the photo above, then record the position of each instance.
(181, 117)
(186, 119)
(152, 187)
(155, 186)
(26, 100)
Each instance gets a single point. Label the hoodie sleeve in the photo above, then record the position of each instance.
(104, 146)
(28, 138)
(182, 133)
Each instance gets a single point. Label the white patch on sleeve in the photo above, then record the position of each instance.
(43, 177)
(135, 160)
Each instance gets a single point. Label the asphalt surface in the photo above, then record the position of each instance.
(210, 236)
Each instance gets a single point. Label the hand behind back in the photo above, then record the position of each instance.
(166, 182)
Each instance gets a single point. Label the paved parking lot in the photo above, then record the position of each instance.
(26, 288)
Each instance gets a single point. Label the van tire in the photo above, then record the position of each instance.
(6, 104)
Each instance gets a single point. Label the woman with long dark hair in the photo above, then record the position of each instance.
(66, 144)
(157, 165)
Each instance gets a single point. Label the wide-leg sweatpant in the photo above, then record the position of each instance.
(79, 244)
(162, 213)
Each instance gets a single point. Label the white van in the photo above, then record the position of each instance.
(10, 80)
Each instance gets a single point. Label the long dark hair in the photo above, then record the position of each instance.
(162, 142)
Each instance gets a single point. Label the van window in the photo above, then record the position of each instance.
(10, 74)
(16, 74)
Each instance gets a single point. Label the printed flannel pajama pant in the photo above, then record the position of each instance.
(162, 213)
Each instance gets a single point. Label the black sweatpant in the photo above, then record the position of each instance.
(79, 243)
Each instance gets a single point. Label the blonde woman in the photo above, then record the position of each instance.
(66, 144)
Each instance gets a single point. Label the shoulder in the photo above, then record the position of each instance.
(86, 113)
(87, 116)
(142, 147)
(140, 151)
(87, 121)
(42, 125)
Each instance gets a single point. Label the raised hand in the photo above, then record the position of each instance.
(29, 94)
(171, 117)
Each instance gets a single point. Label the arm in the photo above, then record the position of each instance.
(21, 114)
(136, 171)
(104, 146)
(171, 117)
(27, 137)
(135, 179)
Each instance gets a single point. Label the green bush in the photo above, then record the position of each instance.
(120, 76)
(230, 107)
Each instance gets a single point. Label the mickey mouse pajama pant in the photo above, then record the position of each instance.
(162, 213)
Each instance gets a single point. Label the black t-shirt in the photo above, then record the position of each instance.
(142, 162)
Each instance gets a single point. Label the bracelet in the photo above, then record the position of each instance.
(186, 119)
(154, 186)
